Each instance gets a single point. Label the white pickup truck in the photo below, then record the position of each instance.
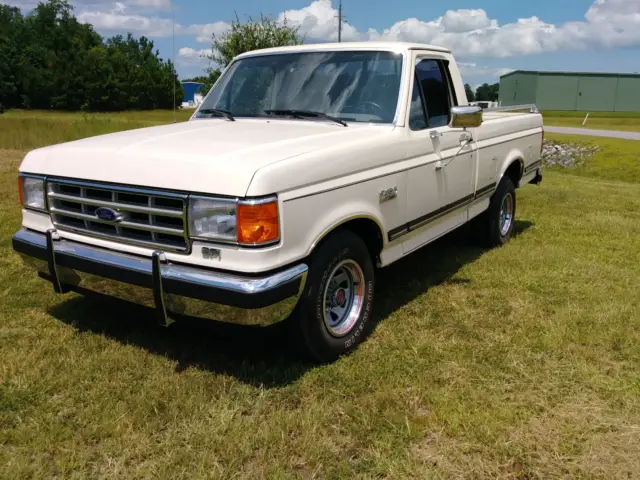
(303, 170)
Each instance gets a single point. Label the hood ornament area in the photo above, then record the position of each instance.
(108, 215)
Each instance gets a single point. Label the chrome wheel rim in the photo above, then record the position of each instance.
(343, 298)
(506, 214)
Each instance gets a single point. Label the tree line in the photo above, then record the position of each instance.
(485, 92)
(49, 60)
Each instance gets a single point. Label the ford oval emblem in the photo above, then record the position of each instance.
(108, 214)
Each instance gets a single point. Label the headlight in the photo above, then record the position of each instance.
(211, 219)
(31, 191)
(247, 222)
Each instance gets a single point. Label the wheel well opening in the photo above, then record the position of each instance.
(514, 172)
(370, 233)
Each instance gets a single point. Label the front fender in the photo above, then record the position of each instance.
(307, 220)
(305, 231)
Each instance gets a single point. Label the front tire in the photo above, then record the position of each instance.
(333, 315)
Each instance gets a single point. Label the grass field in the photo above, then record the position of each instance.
(625, 121)
(520, 362)
(618, 160)
(28, 129)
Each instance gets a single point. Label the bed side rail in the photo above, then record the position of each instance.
(515, 108)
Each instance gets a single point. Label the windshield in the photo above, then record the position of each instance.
(351, 86)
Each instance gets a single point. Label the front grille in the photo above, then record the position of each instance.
(148, 218)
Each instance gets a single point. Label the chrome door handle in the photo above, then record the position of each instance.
(434, 134)
(465, 138)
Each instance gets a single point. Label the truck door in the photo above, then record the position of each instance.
(440, 186)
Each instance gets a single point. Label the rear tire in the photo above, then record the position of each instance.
(333, 315)
(495, 225)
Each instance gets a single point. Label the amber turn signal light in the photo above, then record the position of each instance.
(258, 222)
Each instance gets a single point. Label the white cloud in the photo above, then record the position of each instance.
(156, 5)
(189, 52)
(119, 20)
(116, 21)
(460, 21)
(471, 70)
(318, 21)
(607, 24)
(188, 56)
(22, 4)
(205, 32)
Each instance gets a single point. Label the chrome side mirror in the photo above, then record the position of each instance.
(466, 117)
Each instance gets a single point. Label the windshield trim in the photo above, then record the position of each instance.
(401, 91)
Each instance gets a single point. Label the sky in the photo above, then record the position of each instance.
(488, 37)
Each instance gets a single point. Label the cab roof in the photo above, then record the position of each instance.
(314, 47)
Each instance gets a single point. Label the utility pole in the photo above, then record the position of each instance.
(173, 56)
(340, 22)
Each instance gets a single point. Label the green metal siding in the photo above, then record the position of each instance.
(557, 92)
(508, 90)
(628, 95)
(597, 94)
(591, 92)
(518, 89)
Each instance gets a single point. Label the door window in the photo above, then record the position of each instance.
(417, 117)
(435, 101)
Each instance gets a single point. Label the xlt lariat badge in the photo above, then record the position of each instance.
(388, 194)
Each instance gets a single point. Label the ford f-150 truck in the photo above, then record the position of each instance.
(304, 169)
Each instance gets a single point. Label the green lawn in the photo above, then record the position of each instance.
(520, 362)
(625, 121)
(618, 160)
(28, 129)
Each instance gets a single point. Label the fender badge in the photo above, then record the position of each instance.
(388, 194)
(211, 253)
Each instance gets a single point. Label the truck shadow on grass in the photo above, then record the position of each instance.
(258, 355)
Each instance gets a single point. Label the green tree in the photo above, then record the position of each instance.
(488, 93)
(470, 96)
(11, 37)
(49, 60)
(252, 35)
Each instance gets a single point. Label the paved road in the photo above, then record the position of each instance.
(594, 133)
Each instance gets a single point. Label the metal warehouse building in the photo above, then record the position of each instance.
(589, 92)
(190, 91)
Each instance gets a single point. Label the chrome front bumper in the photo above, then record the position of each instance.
(173, 290)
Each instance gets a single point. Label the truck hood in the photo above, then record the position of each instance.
(207, 156)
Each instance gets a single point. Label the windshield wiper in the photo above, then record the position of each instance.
(219, 111)
(305, 114)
